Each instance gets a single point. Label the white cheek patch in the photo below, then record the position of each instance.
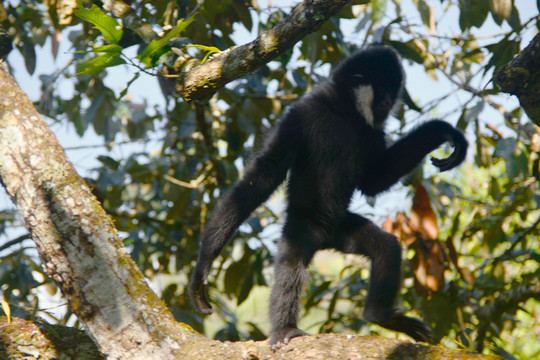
(364, 100)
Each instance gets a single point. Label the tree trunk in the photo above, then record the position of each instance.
(77, 242)
(521, 77)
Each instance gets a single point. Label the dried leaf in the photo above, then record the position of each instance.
(423, 218)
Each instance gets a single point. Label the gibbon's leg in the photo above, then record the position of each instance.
(294, 255)
(360, 236)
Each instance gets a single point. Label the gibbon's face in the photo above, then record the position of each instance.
(374, 78)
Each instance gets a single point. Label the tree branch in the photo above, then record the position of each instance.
(49, 342)
(22, 339)
(201, 82)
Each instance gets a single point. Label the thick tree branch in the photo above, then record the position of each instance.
(521, 77)
(23, 339)
(201, 82)
(43, 345)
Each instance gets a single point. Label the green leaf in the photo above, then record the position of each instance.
(426, 13)
(505, 148)
(300, 82)
(472, 13)
(502, 52)
(155, 45)
(124, 92)
(315, 296)
(379, 8)
(414, 49)
(501, 9)
(29, 52)
(80, 127)
(110, 48)
(516, 166)
(92, 112)
(245, 288)
(100, 63)
(109, 162)
(110, 28)
(514, 21)
(332, 305)
(180, 203)
(244, 14)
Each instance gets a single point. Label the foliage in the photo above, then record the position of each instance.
(472, 242)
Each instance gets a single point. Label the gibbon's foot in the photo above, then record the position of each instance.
(395, 320)
(283, 336)
(415, 328)
(197, 293)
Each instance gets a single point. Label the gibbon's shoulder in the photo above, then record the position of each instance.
(323, 97)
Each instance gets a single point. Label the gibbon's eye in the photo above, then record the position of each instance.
(359, 78)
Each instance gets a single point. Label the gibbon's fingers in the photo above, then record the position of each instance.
(457, 156)
(443, 164)
(450, 162)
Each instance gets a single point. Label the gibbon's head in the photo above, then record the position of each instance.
(372, 79)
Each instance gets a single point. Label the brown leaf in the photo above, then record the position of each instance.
(428, 266)
(423, 218)
(421, 231)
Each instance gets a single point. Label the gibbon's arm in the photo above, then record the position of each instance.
(404, 155)
(262, 177)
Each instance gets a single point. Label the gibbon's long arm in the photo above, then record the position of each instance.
(262, 177)
(408, 152)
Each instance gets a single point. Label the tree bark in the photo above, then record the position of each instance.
(23, 339)
(521, 77)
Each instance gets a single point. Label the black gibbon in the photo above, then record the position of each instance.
(332, 142)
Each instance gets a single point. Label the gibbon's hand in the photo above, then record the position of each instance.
(460, 144)
(197, 292)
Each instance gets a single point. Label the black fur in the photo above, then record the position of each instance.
(332, 143)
